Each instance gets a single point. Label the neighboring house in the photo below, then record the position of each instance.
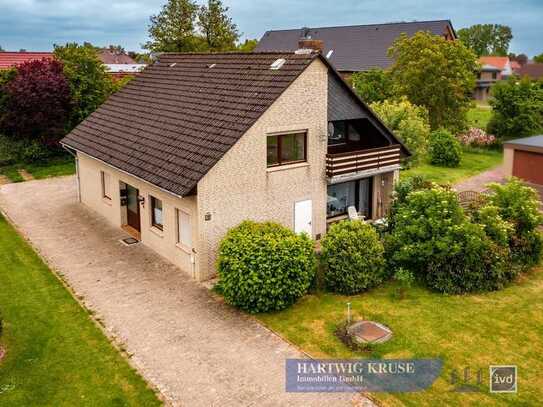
(354, 48)
(532, 71)
(200, 142)
(12, 59)
(493, 69)
(523, 158)
(119, 64)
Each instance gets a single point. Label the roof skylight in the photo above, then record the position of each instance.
(277, 64)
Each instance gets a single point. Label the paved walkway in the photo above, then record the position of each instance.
(478, 182)
(196, 350)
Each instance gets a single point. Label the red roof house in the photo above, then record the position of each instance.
(12, 59)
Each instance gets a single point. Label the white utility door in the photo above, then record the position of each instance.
(303, 214)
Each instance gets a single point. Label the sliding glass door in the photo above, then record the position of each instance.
(352, 193)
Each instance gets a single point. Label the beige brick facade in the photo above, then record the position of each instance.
(239, 186)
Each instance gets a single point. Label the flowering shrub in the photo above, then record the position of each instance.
(476, 137)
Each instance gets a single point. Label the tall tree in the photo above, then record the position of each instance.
(539, 58)
(522, 59)
(487, 39)
(173, 29)
(248, 45)
(437, 74)
(374, 85)
(220, 33)
(90, 84)
(38, 102)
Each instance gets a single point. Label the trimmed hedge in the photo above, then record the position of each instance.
(444, 149)
(264, 266)
(352, 257)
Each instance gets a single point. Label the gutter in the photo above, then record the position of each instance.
(76, 170)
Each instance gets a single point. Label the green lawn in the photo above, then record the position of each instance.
(479, 117)
(53, 167)
(474, 331)
(474, 161)
(56, 355)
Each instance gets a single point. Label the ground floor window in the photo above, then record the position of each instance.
(106, 185)
(352, 193)
(184, 229)
(156, 213)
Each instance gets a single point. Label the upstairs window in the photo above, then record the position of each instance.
(156, 213)
(286, 149)
(106, 185)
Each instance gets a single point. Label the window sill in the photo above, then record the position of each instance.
(107, 201)
(184, 248)
(336, 218)
(287, 167)
(157, 231)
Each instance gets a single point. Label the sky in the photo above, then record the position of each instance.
(35, 25)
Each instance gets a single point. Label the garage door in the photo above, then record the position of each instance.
(528, 166)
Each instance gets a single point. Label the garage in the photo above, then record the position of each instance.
(523, 158)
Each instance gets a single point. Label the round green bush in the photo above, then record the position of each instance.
(444, 149)
(519, 205)
(264, 266)
(469, 261)
(352, 257)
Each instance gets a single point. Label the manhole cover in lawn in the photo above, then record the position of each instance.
(369, 332)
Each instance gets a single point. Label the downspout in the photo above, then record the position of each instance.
(76, 171)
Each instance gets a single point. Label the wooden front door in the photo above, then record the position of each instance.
(132, 208)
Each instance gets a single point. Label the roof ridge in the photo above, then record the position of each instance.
(366, 25)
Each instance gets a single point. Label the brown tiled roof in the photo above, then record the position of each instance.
(534, 71)
(172, 123)
(108, 56)
(353, 48)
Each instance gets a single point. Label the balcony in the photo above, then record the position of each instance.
(372, 159)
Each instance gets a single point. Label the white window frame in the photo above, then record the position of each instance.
(180, 242)
(154, 225)
(105, 179)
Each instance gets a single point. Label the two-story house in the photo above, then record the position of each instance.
(200, 142)
(493, 69)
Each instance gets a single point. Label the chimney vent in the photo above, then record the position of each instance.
(316, 45)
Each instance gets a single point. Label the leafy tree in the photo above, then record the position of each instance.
(248, 45)
(408, 122)
(173, 29)
(487, 39)
(437, 74)
(517, 108)
(374, 85)
(539, 58)
(37, 102)
(90, 84)
(522, 59)
(220, 33)
(1, 49)
(140, 58)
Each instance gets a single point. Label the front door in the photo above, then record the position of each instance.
(132, 208)
(303, 214)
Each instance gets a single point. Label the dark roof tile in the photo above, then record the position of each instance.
(171, 124)
(355, 48)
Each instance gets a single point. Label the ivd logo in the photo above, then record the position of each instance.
(503, 379)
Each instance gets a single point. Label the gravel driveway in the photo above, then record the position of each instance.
(196, 350)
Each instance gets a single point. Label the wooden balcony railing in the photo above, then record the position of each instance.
(362, 160)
